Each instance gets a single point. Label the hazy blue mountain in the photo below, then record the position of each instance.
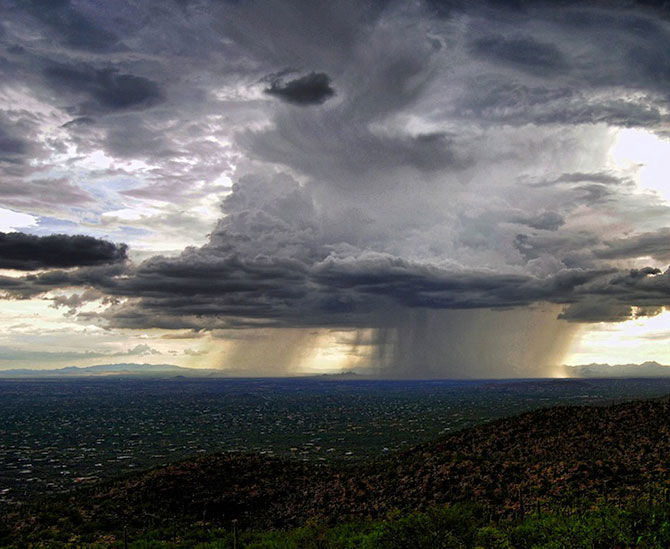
(107, 369)
(646, 369)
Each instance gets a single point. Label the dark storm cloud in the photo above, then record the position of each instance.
(626, 114)
(349, 139)
(206, 275)
(523, 53)
(447, 8)
(69, 26)
(103, 277)
(351, 150)
(591, 189)
(295, 34)
(195, 291)
(548, 221)
(13, 148)
(570, 247)
(417, 285)
(600, 178)
(268, 260)
(80, 121)
(420, 285)
(622, 113)
(492, 101)
(346, 291)
(649, 62)
(106, 89)
(654, 244)
(311, 89)
(490, 98)
(639, 292)
(27, 252)
(269, 263)
(403, 200)
(567, 73)
(18, 145)
(594, 310)
(255, 264)
(129, 136)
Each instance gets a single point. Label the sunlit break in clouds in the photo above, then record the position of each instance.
(407, 189)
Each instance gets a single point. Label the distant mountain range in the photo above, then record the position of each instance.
(646, 369)
(123, 369)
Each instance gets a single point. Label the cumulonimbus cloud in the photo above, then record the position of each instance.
(425, 157)
(270, 261)
(25, 252)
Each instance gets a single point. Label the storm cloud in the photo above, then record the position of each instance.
(311, 89)
(410, 172)
(69, 26)
(271, 262)
(104, 89)
(522, 53)
(27, 252)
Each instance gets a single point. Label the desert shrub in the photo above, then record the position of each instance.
(433, 529)
(490, 537)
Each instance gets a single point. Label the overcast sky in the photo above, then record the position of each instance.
(460, 189)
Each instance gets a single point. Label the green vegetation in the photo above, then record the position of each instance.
(456, 526)
(461, 526)
(568, 476)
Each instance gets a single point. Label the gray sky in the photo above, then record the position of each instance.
(424, 188)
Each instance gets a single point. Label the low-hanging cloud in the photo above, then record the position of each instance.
(312, 89)
(26, 252)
